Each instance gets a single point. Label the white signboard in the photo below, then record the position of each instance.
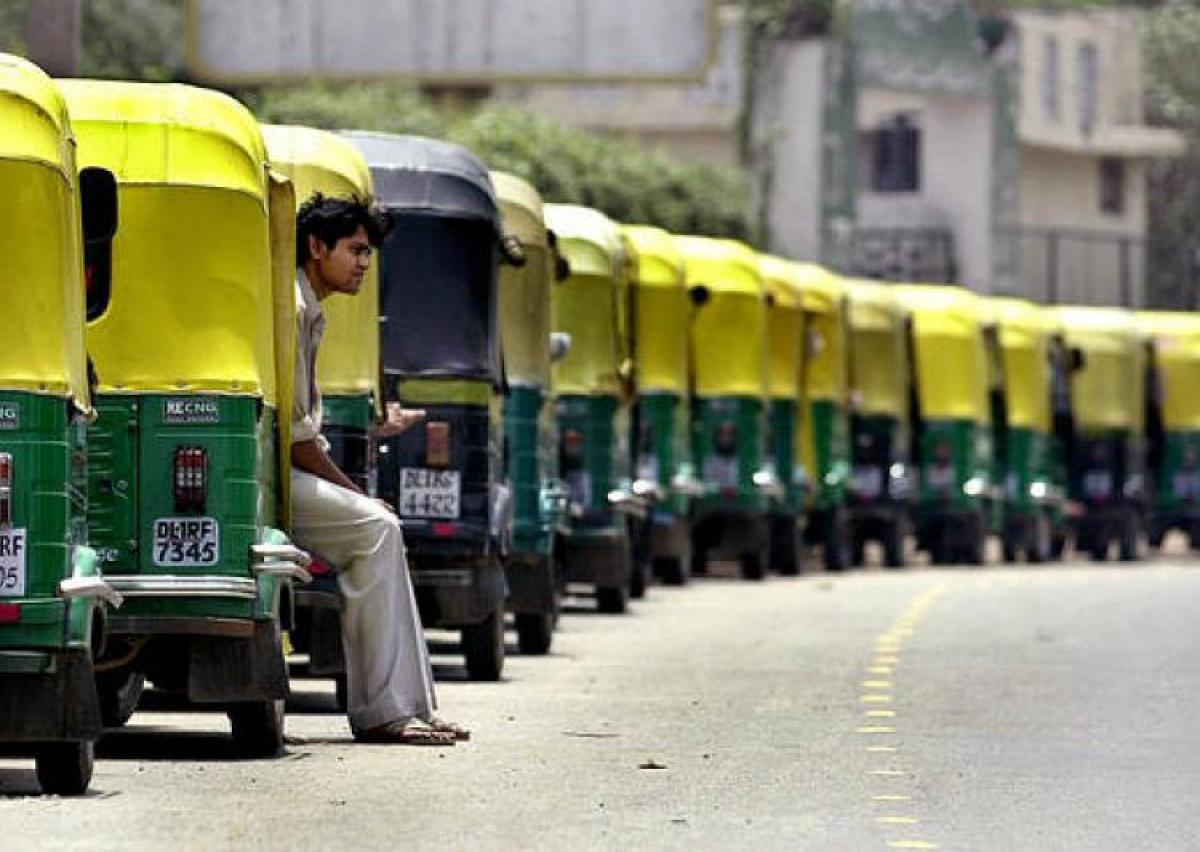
(469, 41)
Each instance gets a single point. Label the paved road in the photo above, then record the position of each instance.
(1025, 709)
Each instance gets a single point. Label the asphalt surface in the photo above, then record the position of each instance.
(1000, 708)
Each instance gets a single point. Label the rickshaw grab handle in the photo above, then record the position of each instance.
(89, 587)
(284, 569)
(282, 552)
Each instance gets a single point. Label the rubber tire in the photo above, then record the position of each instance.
(535, 632)
(341, 692)
(1099, 549)
(858, 553)
(611, 600)
(483, 647)
(787, 548)
(1041, 548)
(837, 544)
(257, 727)
(699, 566)
(672, 570)
(751, 564)
(893, 545)
(119, 693)
(65, 769)
(1058, 546)
(1128, 542)
(638, 580)
(1010, 551)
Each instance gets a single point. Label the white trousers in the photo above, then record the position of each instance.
(387, 662)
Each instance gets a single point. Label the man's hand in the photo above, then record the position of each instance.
(399, 420)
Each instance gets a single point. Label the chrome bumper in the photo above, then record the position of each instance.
(133, 586)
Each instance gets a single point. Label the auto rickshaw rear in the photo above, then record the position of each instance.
(1107, 468)
(787, 334)
(441, 353)
(53, 600)
(729, 391)
(956, 502)
(1173, 463)
(533, 568)
(318, 161)
(882, 484)
(190, 328)
(593, 388)
(662, 461)
(826, 438)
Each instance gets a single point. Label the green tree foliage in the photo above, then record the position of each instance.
(373, 106)
(133, 39)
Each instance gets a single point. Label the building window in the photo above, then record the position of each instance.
(894, 149)
(1112, 186)
(1051, 79)
(1089, 88)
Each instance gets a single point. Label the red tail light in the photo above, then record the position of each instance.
(191, 479)
(10, 613)
(437, 444)
(6, 475)
(572, 445)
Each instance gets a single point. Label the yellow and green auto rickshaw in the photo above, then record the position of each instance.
(956, 502)
(826, 437)
(54, 603)
(593, 385)
(191, 318)
(539, 498)
(440, 344)
(1173, 425)
(882, 483)
(1106, 472)
(347, 369)
(662, 462)
(1030, 463)
(787, 333)
(728, 411)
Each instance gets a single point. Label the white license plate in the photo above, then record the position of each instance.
(187, 542)
(426, 493)
(940, 476)
(721, 471)
(868, 481)
(12, 563)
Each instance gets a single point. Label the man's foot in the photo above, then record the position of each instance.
(409, 731)
(458, 731)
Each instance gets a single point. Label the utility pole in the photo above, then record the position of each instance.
(52, 33)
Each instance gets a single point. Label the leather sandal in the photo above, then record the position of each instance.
(406, 732)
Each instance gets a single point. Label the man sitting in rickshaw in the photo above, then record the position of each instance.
(389, 679)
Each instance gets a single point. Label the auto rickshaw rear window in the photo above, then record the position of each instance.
(98, 206)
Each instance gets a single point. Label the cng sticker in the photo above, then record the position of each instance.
(191, 410)
(12, 563)
(10, 415)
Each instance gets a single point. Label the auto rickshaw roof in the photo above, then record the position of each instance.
(309, 147)
(782, 277)
(522, 208)
(1021, 323)
(942, 307)
(413, 173)
(873, 305)
(33, 114)
(1099, 329)
(821, 289)
(169, 133)
(721, 265)
(590, 240)
(659, 261)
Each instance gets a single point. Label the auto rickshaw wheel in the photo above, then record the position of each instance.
(672, 570)
(119, 694)
(257, 727)
(1128, 542)
(341, 692)
(1041, 545)
(637, 580)
(787, 547)
(65, 769)
(893, 544)
(837, 540)
(483, 647)
(611, 600)
(751, 564)
(535, 632)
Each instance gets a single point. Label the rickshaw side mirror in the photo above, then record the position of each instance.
(512, 252)
(560, 345)
(98, 203)
(700, 295)
(1078, 360)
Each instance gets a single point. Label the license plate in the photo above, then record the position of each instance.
(1187, 486)
(12, 563)
(868, 481)
(721, 471)
(428, 493)
(1098, 484)
(186, 542)
(940, 477)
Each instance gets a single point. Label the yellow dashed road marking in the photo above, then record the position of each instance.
(892, 798)
(888, 773)
(912, 844)
(880, 714)
(877, 729)
(876, 699)
(877, 684)
(882, 748)
(897, 820)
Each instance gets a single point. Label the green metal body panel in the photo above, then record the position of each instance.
(531, 439)
(47, 445)
(783, 422)
(728, 477)
(351, 412)
(661, 449)
(1031, 466)
(130, 485)
(831, 448)
(1177, 482)
(944, 475)
(605, 464)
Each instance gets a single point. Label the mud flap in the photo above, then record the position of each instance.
(222, 670)
(57, 706)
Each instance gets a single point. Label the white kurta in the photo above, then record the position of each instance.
(387, 663)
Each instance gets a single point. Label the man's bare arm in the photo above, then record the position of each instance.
(311, 457)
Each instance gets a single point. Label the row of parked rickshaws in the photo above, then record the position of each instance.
(607, 404)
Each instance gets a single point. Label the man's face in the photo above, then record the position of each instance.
(342, 266)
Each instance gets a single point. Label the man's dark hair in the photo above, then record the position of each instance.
(332, 219)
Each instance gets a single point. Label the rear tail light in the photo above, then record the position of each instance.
(191, 479)
(437, 444)
(572, 447)
(10, 613)
(6, 474)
